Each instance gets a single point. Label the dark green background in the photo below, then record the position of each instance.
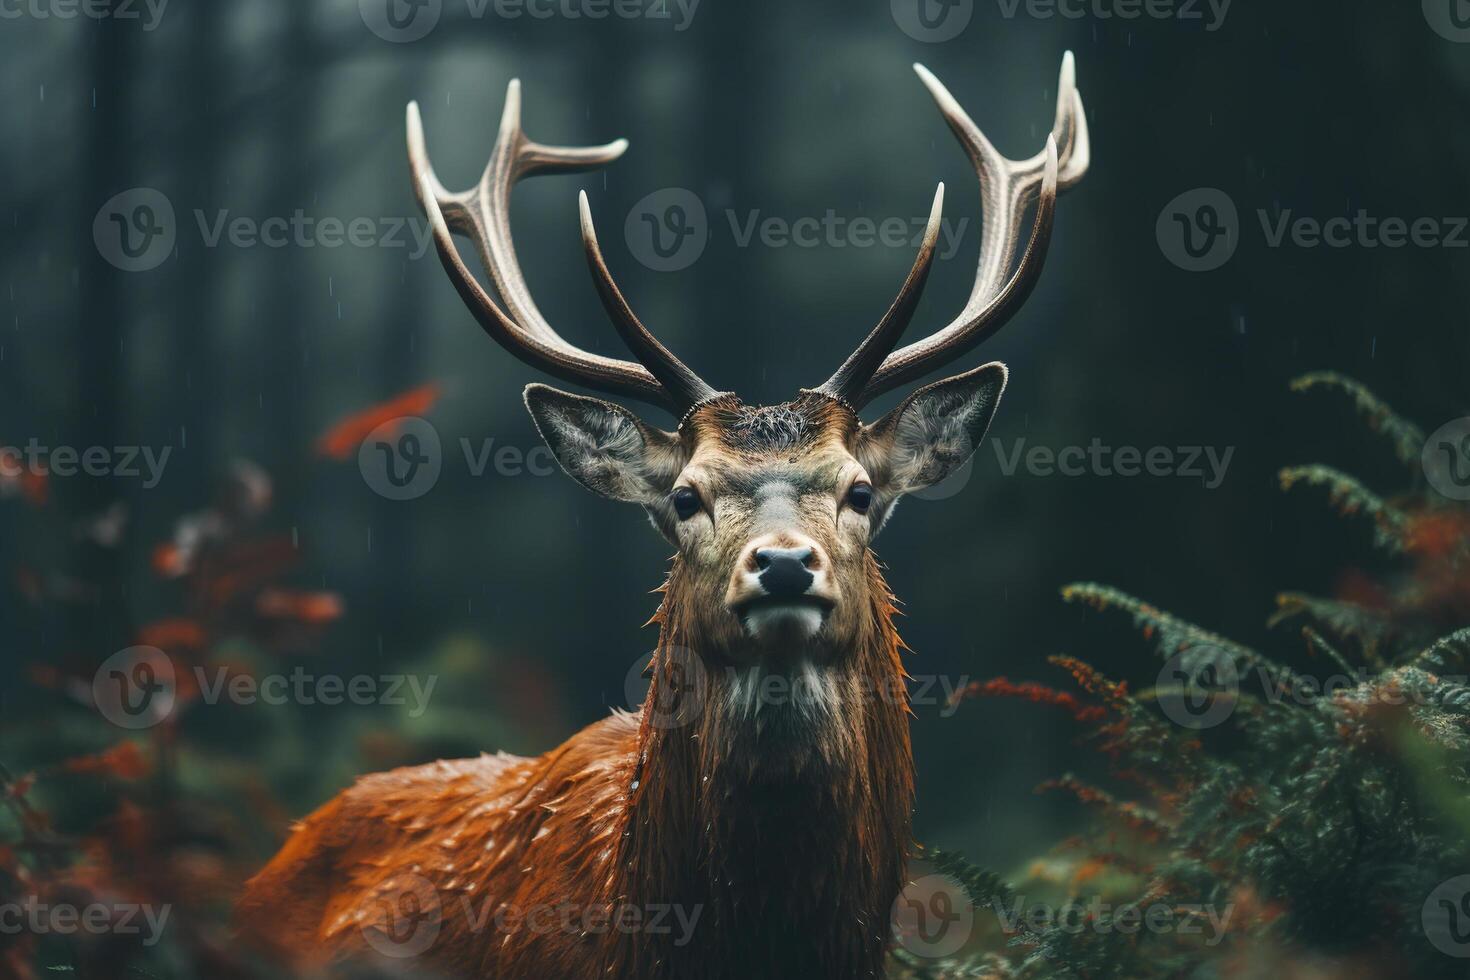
(266, 106)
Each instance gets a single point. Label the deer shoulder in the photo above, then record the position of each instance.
(472, 843)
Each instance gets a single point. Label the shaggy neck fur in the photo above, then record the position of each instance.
(792, 863)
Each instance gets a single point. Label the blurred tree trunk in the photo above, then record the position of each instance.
(287, 313)
(396, 331)
(102, 354)
(196, 315)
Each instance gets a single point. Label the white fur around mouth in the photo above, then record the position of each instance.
(800, 617)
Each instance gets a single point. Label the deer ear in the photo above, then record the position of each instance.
(605, 447)
(932, 432)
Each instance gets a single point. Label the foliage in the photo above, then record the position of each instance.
(169, 818)
(1311, 811)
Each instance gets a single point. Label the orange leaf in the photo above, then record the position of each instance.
(341, 440)
(307, 607)
(169, 560)
(172, 634)
(124, 760)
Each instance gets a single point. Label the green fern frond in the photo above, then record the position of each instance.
(1349, 497)
(1406, 438)
(986, 889)
(1316, 642)
(1449, 655)
(1171, 635)
(1372, 630)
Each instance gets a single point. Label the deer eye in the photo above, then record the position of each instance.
(686, 502)
(860, 497)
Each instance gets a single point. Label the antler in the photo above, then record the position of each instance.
(1007, 188)
(484, 213)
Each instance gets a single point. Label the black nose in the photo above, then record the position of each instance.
(784, 573)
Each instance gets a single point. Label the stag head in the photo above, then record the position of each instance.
(773, 509)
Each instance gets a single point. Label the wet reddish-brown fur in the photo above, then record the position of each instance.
(791, 869)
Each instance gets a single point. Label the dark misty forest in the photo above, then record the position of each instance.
(181, 424)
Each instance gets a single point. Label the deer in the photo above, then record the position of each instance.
(753, 817)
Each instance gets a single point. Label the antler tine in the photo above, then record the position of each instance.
(847, 383)
(666, 367)
(1007, 188)
(1074, 147)
(484, 213)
